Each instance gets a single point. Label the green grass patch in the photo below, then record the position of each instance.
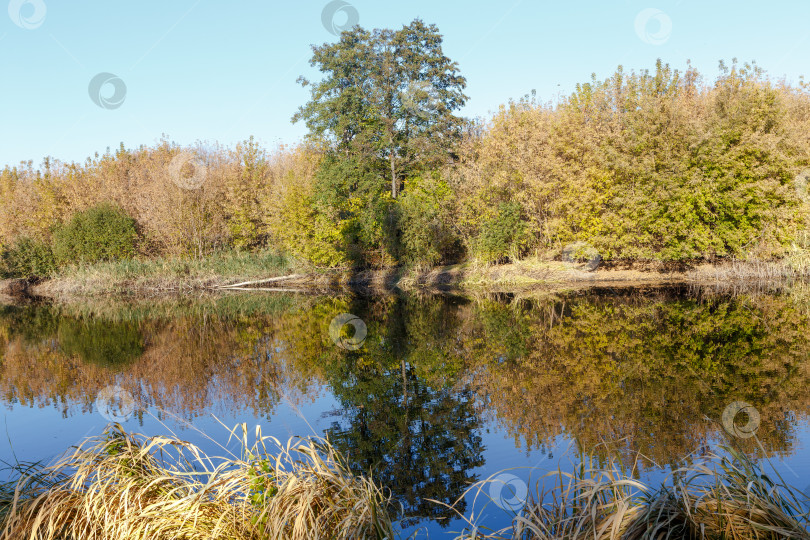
(172, 273)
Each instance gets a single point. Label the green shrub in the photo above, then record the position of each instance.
(27, 257)
(425, 222)
(307, 232)
(101, 233)
(503, 236)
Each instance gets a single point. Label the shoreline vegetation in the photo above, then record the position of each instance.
(656, 173)
(126, 485)
(269, 272)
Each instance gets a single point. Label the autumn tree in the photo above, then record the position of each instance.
(387, 100)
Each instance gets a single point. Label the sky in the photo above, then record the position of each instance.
(81, 76)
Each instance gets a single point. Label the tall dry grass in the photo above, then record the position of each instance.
(128, 486)
(727, 497)
(794, 266)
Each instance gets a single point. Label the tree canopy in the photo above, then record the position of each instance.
(387, 99)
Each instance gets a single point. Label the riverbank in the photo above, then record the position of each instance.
(458, 277)
(277, 273)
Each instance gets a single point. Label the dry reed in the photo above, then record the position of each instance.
(728, 497)
(128, 486)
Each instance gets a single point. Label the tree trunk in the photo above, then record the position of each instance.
(393, 176)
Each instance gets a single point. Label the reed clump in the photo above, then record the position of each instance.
(727, 497)
(736, 271)
(128, 486)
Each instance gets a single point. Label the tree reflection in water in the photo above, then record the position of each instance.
(627, 371)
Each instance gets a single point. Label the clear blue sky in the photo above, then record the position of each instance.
(222, 71)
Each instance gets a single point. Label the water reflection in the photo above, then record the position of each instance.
(439, 378)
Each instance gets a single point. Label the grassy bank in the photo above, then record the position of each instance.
(123, 486)
(168, 275)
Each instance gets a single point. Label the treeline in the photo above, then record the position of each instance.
(130, 203)
(651, 165)
(658, 166)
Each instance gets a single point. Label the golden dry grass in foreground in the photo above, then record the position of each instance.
(127, 486)
(729, 497)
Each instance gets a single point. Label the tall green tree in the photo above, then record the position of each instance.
(387, 100)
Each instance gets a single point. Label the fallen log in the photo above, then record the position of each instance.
(260, 281)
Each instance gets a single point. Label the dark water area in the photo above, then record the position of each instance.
(428, 394)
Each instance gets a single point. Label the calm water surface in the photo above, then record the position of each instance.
(443, 392)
